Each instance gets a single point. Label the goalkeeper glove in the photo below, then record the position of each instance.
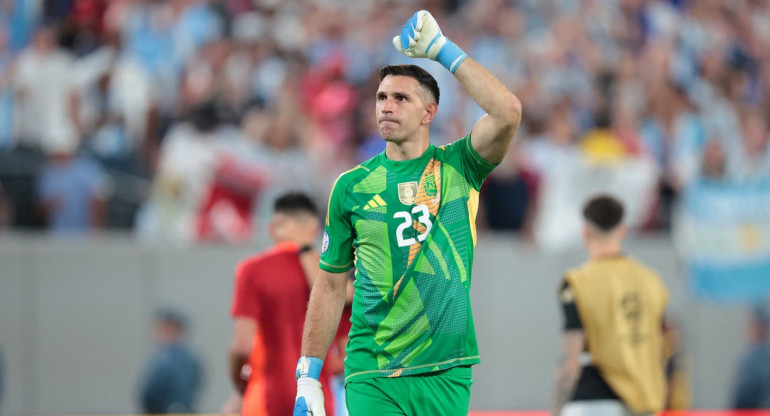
(422, 38)
(310, 397)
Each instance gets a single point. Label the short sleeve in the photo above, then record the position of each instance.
(244, 296)
(337, 245)
(475, 168)
(567, 302)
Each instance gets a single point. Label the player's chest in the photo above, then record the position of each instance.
(406, 209)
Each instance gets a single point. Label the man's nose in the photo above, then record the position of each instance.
(387, 106)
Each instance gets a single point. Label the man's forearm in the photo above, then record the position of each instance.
(569, 371)
(488, 92)
(566, 381)
(492, 135)
(237, 361)
(323, 315)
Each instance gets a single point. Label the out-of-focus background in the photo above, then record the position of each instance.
(142, 143)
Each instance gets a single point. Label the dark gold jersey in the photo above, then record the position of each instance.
(621, 304)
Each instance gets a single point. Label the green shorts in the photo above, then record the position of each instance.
(446, 393)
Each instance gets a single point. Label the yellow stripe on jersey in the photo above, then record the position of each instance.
(473, 209)
(432, 202)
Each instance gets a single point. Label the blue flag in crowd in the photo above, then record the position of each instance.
(723, 232)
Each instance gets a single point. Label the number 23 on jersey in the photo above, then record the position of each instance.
(423, 217)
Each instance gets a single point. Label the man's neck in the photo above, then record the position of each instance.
(407, 149)
(604, 250)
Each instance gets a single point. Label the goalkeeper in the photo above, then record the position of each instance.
(405, 219)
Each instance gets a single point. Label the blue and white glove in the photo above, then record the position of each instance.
(310, 397)
(421, 38)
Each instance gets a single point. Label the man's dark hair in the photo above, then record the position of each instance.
(294, 203)
(413, 71)
(172, 317)
(603, 212)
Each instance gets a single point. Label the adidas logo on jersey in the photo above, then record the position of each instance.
(375, 202)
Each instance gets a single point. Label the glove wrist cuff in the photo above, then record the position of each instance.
(450, 56)
(309, 367)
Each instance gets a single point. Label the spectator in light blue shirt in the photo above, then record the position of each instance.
(71, 190)
(173, 376)
(7, 101)
(752, 385)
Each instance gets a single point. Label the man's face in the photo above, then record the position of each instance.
(301, 228)
(402, 108)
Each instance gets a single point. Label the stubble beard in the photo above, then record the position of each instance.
(391, 136)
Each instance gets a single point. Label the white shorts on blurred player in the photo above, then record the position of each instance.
(598, 408)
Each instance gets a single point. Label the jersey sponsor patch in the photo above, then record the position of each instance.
(325, 243)
(407, 191)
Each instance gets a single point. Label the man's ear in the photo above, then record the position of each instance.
(586, 231)
(272, 229)
(430, 112)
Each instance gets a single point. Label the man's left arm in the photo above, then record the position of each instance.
(569, 372)
(573, 342)
(493, 133)
(240, 351)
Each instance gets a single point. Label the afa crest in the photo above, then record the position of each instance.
(430, 185)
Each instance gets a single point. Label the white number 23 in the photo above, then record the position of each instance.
(423, 218)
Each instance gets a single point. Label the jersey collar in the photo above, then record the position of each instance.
(408, 166)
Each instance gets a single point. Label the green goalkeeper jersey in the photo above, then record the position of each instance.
(408, 227)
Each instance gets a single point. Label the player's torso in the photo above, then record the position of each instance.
(634, 295)
(621, 305)
(404, 224)
(281, 293)
(393, 219)
(413, 247)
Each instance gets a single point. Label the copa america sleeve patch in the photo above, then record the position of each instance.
(325, 243)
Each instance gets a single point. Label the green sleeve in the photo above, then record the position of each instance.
(463, 156)
(337, 246)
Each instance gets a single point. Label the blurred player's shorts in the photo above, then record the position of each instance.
(597, 408)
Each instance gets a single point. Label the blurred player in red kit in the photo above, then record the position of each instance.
(271, 293)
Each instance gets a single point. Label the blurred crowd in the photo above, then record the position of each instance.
(181, 120)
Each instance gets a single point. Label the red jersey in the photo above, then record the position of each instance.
(272, 289)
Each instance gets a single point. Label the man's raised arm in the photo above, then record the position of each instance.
(492, 135)
(421, 37)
